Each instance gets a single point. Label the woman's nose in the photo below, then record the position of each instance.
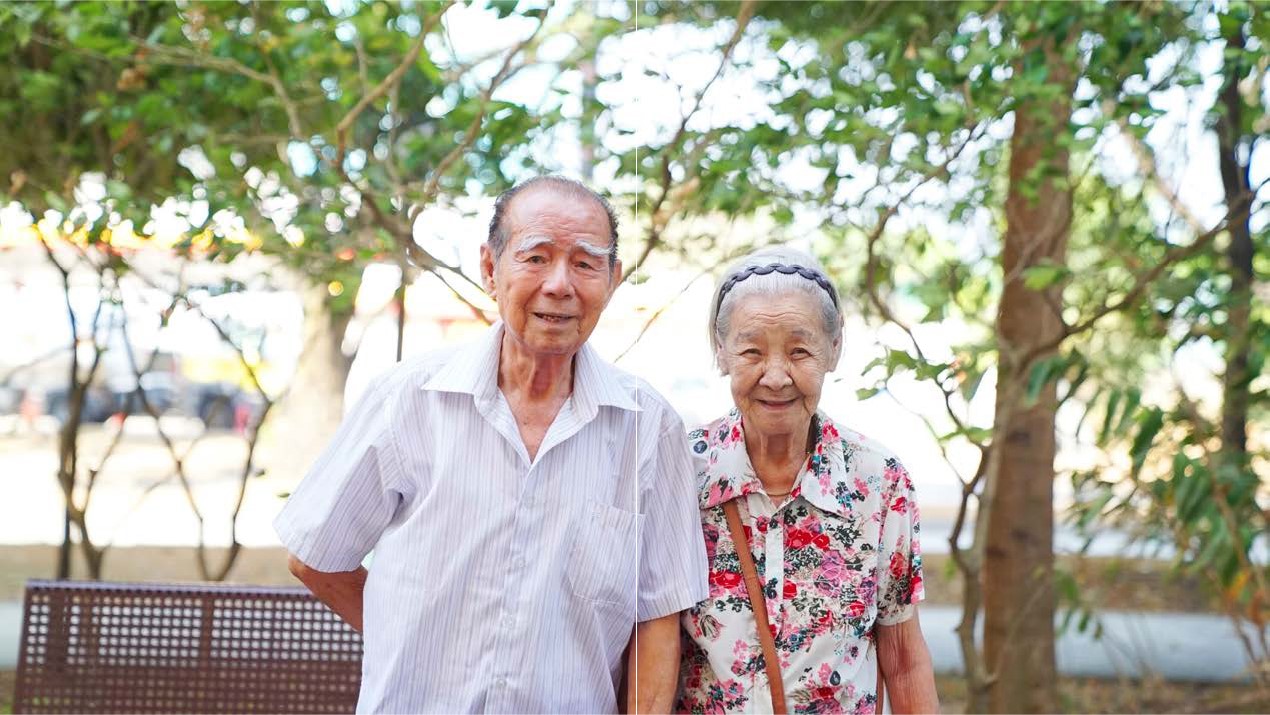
(776, 375)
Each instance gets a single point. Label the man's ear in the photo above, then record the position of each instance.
(487, 270)
(615, 279)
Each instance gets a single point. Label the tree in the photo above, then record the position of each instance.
(319, 131)
(1193, 473)
(920, 123)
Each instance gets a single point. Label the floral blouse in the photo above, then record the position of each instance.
(837, 556)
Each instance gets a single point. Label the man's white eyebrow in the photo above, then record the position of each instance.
(529, 243)
(592, 250)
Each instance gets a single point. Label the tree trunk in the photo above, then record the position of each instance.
(1019, 598)
(313, 406)
(1235, 182)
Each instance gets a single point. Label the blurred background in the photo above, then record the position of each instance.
(1049, 223)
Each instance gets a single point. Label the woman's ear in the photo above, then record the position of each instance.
(720, 360)
(835, 351)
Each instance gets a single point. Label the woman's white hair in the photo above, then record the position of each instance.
(772, 284)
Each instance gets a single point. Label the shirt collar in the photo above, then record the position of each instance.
(728, 473)
(473, 369)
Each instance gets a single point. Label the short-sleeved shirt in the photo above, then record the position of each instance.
(838, 555)
(500, 583)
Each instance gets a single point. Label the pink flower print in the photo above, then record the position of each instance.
(862, 487)
(719, 491)
(894, 473)
(726, 580)
(855, 609)
(821, 541)
(828, 431)
(899, 564)
(832, 572)
(825, 479)
(900, 504)
(798, 538)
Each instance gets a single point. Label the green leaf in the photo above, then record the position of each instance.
(1148, 426)
(1041, 277)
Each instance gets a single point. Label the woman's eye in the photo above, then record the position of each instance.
(800, 352)
(750, 352)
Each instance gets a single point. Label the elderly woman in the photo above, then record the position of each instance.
(826, 518)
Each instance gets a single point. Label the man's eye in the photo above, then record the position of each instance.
(586, 265)
(536, 259)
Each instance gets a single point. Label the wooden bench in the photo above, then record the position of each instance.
(92, 647)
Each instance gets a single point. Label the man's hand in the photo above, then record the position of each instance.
(340, 591)
(653, 666)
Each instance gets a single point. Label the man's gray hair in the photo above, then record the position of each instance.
(771, 284)
(498, 234)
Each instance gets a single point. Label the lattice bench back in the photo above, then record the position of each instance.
(91, 647)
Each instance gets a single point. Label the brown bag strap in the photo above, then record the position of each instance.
(775, 684)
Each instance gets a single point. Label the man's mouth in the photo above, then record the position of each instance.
(553, 317)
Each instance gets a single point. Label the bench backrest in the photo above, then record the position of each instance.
(92, 647)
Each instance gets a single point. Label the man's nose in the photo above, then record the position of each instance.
(776, 374)
(558, 283)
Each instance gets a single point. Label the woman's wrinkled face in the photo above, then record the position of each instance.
(777, 354)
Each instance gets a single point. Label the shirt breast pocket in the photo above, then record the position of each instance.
(603, 565)
(858, 596)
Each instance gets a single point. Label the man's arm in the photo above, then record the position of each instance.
(341, 591)
(906, 668)
(653, 666)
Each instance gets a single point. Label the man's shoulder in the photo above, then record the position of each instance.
(650, 401)
(414, 371)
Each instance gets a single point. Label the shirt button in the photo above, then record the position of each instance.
(501, 682)
(509, 621)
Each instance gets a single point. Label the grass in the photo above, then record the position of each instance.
(6, 691)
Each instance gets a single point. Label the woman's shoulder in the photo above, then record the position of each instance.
(724, 430)
(861, 452)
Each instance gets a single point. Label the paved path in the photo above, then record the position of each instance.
(1176, 646)
(1133, 644)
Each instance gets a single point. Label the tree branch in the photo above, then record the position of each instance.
(658, 221)
(393, 77)
(1146, 278)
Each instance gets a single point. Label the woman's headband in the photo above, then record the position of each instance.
(810, 274)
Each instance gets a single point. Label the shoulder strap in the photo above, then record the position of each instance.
(775, 684)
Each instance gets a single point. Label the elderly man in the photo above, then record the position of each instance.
(530, 506)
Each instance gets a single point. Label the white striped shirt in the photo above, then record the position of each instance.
(501, 584)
